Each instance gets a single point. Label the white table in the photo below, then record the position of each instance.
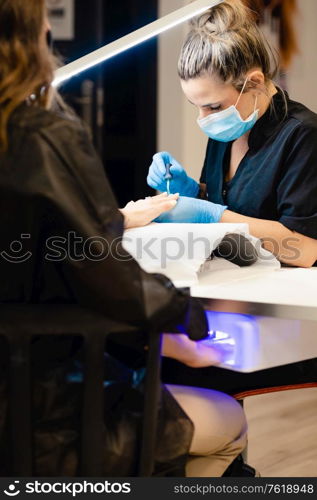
(265, 320)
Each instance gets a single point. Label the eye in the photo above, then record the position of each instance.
(214, 108)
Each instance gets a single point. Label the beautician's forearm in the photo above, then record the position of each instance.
(289, 246)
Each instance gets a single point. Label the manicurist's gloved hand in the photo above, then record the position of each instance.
(193, 210)
(179, 183)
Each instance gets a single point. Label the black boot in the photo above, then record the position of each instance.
(238, 468)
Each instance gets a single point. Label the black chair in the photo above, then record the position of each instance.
(19, 324)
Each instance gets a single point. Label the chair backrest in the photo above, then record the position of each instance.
(19, 324)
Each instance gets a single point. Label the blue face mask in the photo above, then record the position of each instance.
(227, 125)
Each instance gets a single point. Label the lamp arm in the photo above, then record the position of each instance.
(132, 39)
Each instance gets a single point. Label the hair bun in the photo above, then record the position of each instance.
(226, 41)
(230, 15)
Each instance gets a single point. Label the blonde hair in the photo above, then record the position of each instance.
(226, 41)
(26, 64)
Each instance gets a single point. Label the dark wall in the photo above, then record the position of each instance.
(127, 139)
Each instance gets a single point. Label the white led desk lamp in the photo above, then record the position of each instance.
(132, 39)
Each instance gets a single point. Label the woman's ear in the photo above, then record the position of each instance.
(256, 80)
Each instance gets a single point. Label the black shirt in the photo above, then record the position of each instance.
(277, 178)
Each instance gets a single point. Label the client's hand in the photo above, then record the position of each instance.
(142, 212)
(189, 352)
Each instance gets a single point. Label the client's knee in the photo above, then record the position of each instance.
(218, 419)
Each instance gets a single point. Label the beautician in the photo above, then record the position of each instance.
(261, 161)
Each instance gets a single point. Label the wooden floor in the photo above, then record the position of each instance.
(283, 433)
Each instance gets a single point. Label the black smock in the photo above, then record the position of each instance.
(277, 178)
(53, 188)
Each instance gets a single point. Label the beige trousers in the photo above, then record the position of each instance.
(220, 429)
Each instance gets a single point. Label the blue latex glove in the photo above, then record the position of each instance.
(193, 210)
(180, 182)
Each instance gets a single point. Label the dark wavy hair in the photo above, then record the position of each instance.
(26, 63)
